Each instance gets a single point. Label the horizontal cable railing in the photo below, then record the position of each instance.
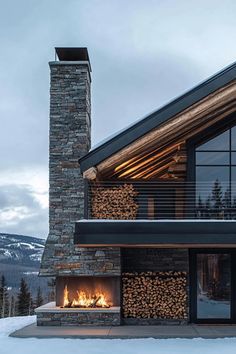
(162, 200)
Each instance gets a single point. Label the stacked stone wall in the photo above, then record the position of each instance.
(70, 132)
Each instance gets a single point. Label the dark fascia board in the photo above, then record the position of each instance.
(72, 53)
(155, 119)
(136, 232)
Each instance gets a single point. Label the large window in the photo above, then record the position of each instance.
(216, 176)
(213, 286)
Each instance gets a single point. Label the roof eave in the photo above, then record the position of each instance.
(157, 118)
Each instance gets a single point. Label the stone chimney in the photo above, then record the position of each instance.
(69, 140)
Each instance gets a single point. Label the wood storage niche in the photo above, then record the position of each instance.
(116, 203)
(158, 295)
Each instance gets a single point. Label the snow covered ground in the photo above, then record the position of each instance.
(10, 345)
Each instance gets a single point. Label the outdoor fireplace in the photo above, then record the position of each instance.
(83, 301)
(88, 292)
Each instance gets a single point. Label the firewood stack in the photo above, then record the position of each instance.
(160, 295)
(114, 203)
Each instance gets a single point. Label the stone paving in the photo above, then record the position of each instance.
(128, 332)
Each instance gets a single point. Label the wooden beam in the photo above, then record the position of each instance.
(91, 173)
(202, 124)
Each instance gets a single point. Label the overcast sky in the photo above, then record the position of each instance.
(143, 54)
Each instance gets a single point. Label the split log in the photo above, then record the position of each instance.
(161, 295)
(114, 203)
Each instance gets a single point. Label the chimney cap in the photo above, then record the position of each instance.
(72, 54)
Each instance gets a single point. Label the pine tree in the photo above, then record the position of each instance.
(227, 205)
(24, 302)
(217, 198)
(200, 208)
(39, 298)
(234, 208)
(12, 307)
(4, 303)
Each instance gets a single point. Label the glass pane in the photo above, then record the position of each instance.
(213, 286)
(212, 192)
(212, 181)
(233, 191)
(212, 158)
(233, 138)
(233, 158)
(220, 142)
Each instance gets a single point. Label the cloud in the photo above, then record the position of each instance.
(21, 212)
(143, 53)
(24, 207)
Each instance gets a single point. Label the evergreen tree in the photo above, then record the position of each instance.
(39, 298)
(12, 307)
(234, 208)
(4, 304)
(200, 208)
(227, 205)
(208, 208)
(24, 302)
(217, 198)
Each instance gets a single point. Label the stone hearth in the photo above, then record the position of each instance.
(52, 315)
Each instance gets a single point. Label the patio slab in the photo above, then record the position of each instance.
(127, 332)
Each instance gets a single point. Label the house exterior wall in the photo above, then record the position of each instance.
(155, 259)
(70, 140)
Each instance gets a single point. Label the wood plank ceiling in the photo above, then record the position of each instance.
(159, 163)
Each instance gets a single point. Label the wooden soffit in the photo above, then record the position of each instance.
(172, 133)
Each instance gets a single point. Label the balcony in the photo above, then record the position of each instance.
(157, 215)
(160, 201)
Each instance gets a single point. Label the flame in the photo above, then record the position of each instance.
(84, 299)
(66, 297)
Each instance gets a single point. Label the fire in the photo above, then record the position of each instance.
(98, 299)
(66, 297)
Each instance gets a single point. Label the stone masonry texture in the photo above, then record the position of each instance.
(70, 132)
(75, 318)
(154, 259)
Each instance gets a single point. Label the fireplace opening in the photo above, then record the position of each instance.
(88, 292)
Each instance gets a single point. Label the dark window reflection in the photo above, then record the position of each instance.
(233, 189)
(233, 158)
(220, 143)
(213, 192)
(216, 177)
(208, 177)
(213, 286)
(212, 158)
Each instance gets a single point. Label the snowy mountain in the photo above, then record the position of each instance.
(20, 257)
(20, 250)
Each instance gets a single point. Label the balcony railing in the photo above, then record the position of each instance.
(161, 200)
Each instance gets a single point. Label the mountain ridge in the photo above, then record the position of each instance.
(20, 249)
(20, 257)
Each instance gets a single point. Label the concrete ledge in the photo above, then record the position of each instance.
(52, 308)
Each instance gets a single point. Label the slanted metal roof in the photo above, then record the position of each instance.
(157, 118)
